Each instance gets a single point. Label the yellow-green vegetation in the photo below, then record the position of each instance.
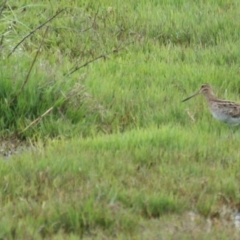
(96, 87)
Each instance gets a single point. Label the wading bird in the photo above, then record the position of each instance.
(223, 110)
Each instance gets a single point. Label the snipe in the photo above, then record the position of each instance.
(223, 110)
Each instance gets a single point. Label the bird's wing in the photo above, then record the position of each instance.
(232, 108)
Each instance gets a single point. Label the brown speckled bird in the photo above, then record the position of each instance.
(223, 110)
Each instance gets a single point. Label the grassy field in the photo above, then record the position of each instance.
(94, 91)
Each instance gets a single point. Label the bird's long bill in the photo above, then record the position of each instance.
(190, 96)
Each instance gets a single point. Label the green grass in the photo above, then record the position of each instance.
(112, 183)
(119, 156)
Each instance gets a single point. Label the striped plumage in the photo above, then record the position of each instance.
(223, 110)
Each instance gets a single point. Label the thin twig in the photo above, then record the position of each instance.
(1, 42)
(37, 119)
(30, 69)
(34, 30)
(96, 58)
(3, 6)
(84, 65)
(191, 116)
(86, 29)
(95, 17)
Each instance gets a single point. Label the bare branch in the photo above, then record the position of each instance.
(3, 6)
(84, 65)
(30, 69)
(96, 58)
(1, 41)
(34, 30)
(37, 119)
